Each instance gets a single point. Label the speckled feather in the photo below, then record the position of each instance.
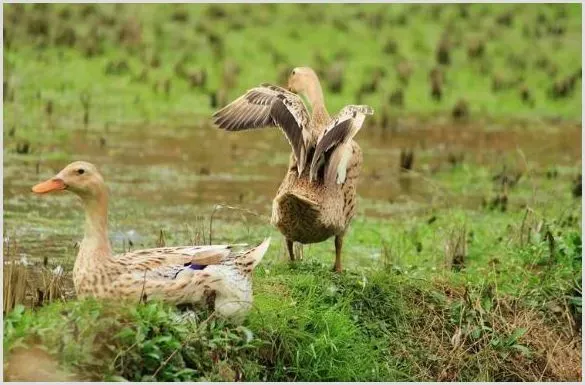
(167, 274)
(269, 105)
(176, 275)
(315, 203)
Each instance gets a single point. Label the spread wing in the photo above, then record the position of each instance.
(339, 131)
(269, 105)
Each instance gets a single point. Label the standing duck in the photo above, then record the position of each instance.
(317, 198)
(178, 275)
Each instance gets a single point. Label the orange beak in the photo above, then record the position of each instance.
(49, 186)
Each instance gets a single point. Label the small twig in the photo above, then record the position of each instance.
(124, 352)
(546, 365)
(220, 206)
(217, 207)
(498, 308)
(522, 226)
(551, 244)
(143, 286)
(85, 99)
(528, 174)
(436, 185)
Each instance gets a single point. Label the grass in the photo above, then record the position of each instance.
(311, 324)
(466, 269)
(399, 313)
(411, 319)
(120, 57)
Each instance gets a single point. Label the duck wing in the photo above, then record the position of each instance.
(169, 262)
(336, 136)
(166, 260)
(268, 105)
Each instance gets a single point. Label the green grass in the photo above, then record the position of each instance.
(311, 324)
(39, 68)
(394, 322)
(401, 311)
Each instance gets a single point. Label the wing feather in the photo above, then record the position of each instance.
(152, 258)
(339, 131)
(269, 105)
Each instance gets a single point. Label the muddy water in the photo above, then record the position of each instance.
(165, 176)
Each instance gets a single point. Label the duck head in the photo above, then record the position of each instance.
(301, 79)
(81, 178)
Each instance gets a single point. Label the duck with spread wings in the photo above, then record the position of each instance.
(317, 198)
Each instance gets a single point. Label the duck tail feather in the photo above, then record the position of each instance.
(249, 259)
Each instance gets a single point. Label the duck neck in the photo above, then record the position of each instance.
(95, 248)
(315, 96)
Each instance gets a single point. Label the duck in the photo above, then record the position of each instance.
(183, 275)
(316, 199)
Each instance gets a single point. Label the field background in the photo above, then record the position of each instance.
(463, 264)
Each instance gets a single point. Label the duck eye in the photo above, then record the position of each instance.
(293, 72)
(80, 171)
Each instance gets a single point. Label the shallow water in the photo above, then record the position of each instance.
(164, 177)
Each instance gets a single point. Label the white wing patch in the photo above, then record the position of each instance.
(342, 167)
(336, 171)
(339, 133)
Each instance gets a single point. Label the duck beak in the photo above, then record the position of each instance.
(50, 185)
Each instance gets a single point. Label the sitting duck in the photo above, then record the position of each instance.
(177, 275)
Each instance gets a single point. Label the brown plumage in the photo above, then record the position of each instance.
(316, 202)
(176, 275)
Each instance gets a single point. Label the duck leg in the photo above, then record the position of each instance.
(291, 251)
(338, 244)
